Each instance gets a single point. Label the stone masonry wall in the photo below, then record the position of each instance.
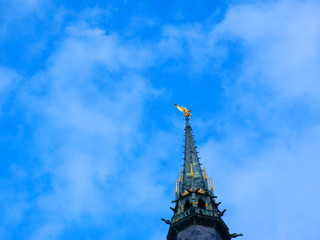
(197, 232)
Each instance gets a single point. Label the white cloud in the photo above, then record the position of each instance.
(266, 164)
(267, 194)
(281, 45)
(13, 207)
(12, 12)
(8, 80)
(88, 106)
(277, 44)
(190, 44)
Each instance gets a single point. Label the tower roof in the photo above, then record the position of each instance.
(195, 205)
(193, 176)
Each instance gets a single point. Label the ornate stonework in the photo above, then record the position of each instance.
(197, 232)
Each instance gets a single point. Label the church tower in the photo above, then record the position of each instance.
(196, 215)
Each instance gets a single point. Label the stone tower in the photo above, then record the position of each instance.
(196, 215)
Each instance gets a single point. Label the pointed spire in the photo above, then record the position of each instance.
(180, 176)
(205, 176)
(176, 188)
(211, 185)
(192, 176)
(195, 201)
(192, 172)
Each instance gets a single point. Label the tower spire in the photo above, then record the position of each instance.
(195, 205)
(193, 176)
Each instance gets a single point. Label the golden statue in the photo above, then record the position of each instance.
(186, 112)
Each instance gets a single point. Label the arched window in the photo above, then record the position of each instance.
(187, 205)
(201, 203)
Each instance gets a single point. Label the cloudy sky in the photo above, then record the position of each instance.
(90, 142)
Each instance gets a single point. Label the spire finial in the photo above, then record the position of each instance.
(205, 176)
(186, 112)
(176, 189)
(211, 185)
(180, 177)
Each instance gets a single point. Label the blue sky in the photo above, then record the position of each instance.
(90, 141)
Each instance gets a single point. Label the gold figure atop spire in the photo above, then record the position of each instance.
(205, 176)
(186, 112)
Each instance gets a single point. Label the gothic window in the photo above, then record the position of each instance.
(187, 205)
(201, 203)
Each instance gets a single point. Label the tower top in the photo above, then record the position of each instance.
(196, 208)
(192, 177)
